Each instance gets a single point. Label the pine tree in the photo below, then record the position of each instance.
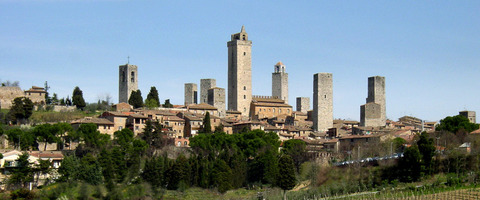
(153, 95)
(77, 98)
(136, 99)
(207, 127)
(286, 176)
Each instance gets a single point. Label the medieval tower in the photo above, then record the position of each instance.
(128, 81)
(322, 102)
(280, 82)
(240, 72)
(205, 85)
(303, 104)
(373, 113)
(216, 98)
(190, 93)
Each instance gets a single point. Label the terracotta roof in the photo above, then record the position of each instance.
(476, 131)
(113, 113)
(174, 118)
(233, 112)
(135, 115)
(202, 106)
(192, 117)
(271, 104)
(267, 99)
(279, 63)
(42, 154)
(87, 120)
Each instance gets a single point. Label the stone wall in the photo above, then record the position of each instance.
(7, 94)
(205, 85)
(374, 115)
(216, 98)
(303, 104)
(190, 93)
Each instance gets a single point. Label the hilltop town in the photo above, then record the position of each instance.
(231, 109)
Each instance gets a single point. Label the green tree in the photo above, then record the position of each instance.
(69, 169)
(455, 123)
(21, 110)
(286, 175)
(153, 171)
(91, 136)
(151, 103)
(77, 98)
(178, 174)
(136, 99)
(409, 165)
(20, 139)
(427, 150)
(222, 176)
(153, 95)
(398, 144)
(167, 104)
(296, 149)
(207, 127)
(46, 133)
(22, 173)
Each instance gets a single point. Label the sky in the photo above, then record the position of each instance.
(429, 51)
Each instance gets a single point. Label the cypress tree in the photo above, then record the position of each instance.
(153, 95)
(207, 127)
(77, 98)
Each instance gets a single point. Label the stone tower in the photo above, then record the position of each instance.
(280, 82)
(322, 102)
(127, 81)
(190, 93)
(205, 85)
(240, 72)
(216, 98)
(303, 104)
(470, 115)
(373, 113)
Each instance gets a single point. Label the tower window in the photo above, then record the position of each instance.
(133, 76)
(244, 53)
(244, 96)
(244, 88)
(325, 96)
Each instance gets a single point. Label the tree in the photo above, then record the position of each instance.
(207, 127)
(455, 123)
(77, 98)
(136, 99)
(153, 95)
(22, 173)
(427, 150)
(48, 100)
(151, 103)
(21, 110)
(21, 139)
(409, 165)
(153, 171)
(167, 104)
(286, 175)
(296, 149)
(68, 101)
(46, 133)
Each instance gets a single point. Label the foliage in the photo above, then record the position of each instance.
(77, 98)
(46, 133)
(21, 110)
(296, 149)
(153, 171)
(22, 173)
(167, 104)
(427, 150)
(286, 176)
(410, 165)
(398, 143)
(456, 123)
(207, 127)
(136, 99)
(21, 139)
(90, 135)
(151, 103)
(152, 97)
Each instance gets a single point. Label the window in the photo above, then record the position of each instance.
(244, 87)
(185, 143)
(133, 76)
(244, 96)
(325, 96)
(136, 128)
(179, 144)
(120, 128)
(104, 126)
(244, 53)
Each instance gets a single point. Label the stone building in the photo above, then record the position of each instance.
(280, 82)
(239, 72)
(269, 107)
(322, 102)
(216, 98)
(7, 94)
(190, 93)
(470, 115)
(303, 104)
(36, 94)
(205, 85)
(127, 81)
(373, 113)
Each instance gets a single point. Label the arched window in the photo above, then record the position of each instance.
(133, 76)
(179, 144)
(244, 87)
(185, 143)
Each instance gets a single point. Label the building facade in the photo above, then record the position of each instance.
(127, 81)
(280, 82)
(373, 113)
(322, 102)
(239, 72)
(470, 115)
(190, 93)
(216, 98)
(205, 85)
(303, 104)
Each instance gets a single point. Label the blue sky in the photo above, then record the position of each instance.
(429, 51)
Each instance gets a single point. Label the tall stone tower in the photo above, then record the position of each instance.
(127, 81)
(240, 72)
(373, 113)
(190, 93)
(322, 102)
(216, 98)
(205, 85)
(280, 82)
(303, 104)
